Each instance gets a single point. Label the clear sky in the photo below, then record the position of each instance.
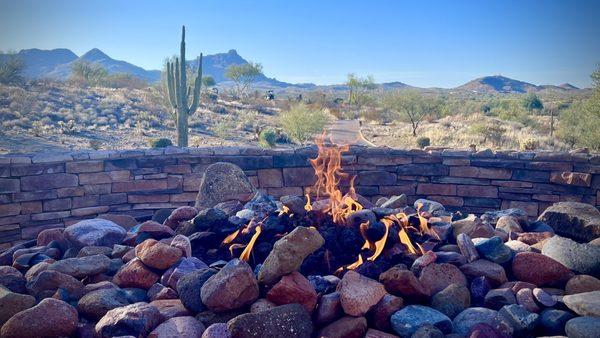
(422, 43)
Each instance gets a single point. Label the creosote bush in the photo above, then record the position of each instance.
(160, 142)
(301, 122)
(267, 138)
(423, 142)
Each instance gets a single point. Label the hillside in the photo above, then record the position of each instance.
(501, 84)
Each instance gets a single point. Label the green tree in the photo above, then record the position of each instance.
(411, 105)
(208, 81)
(88, 73)
(302, 122)
(243, 75)
(11, 70)
(532, 102)
(358, 89)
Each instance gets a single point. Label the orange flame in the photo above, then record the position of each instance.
(328, 170)
(284, 210)
(245, 256)
(308, 206)
(231, 237)
(380, 244)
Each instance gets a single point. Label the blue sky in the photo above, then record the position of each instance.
(422, 43)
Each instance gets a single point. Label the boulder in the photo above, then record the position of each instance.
(136, 320)
(80, 267)
(184, 327)
(289, 320)
(409, 319)
(582, 283)
(584, 304)
(573, 219)
(294, 288)
(359, 293)
(583, 327)
(96, 304)
(452, 300)
(232, 287)
(97, 232)
(582, 258)
(189, 286)
(288, 253)
(223, 182)
(540, 270)
(50, 318)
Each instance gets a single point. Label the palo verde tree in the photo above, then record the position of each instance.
(243, 75)
(358, 89)
(411, 105)
(179, 92)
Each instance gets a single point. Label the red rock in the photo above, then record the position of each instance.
(372, 333)
(180, 214)
(159, 291)
(135, 274)
(437, 277)
(50, 318)
(170, 308)
(157, 255)
(401, 282)
(540, 270)
(345, 327)
(183, 327)
(12, 303)
(48, 235)
(482, 267)
(379, 316)
(581, 284)
(232, 287)
(516, 286)
(125, 221)
(156, 229)
(359, 293)
(36, 270)
(218, 330)
(294, 288)
(526, 300)
(532, 238)
(47, 282)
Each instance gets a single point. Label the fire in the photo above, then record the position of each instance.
(328, 170)
(245, 256)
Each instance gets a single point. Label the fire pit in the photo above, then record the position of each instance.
(330, 263)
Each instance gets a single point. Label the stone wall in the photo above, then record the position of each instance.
(50, 190)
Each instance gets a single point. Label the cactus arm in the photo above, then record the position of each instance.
(182, 65)
(170, 85)
(197, 86)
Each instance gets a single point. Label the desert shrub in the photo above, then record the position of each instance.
(377, 114)
(68, 127)
(492, 131)
(95, 144)
(529, 144)
(579, 125)
(301, 123)
(88, 73)
(123, 80)
(223, 129)
(11, 70)
(160, 142)
(532, 102)
(267, 138)
(423, 142)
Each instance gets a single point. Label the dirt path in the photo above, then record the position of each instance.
(348, 132)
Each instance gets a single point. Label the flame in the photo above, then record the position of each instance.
(404, 239)
(245, 256)
(328, 170)
(231, 237)
(284, 210)
(381, 243)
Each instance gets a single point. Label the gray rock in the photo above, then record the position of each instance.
(452, 300)
(492, 217)
(428, 331)
(395, 202)
(465, 320)
(575, 220)
(497, 298)
(95, 232)
(136, 320)
(357, 218)
(552, 321)
(428, 205)
(583, 327)
(518, 318)
(189, 286)
(409, 319)
(96, 304)
(231, 288)
(223, 182)
(290, 320)
(295, 204)
(11, 303)
(584, 304)
(582, 258)
(288, 253)
(82, 266)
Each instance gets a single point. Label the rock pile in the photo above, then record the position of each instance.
(497, 275)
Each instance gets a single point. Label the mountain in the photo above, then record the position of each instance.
(38, 62)
(502, 84)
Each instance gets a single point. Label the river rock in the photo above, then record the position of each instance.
(183, 267)
(402, 282)
(183, 243)
(346, 327)
(481, 267)
(472, 226)
(13, 279)
(526, 300)
(50, 318)
(436, 277)
(497, 298)
(582, 283)
(157, 255)
(294, 288)
(583, 258)
(508, 224)
(583, 327)
(584, 304)
(552, 321)
(492, 217)
(395, 202)
(159, 291)
(359, 293)
(82, 266)
(466, 247)
(379, 316)
(97, 231)
(519, 318)
(472, 316)
(223, 182)
(573, 219)
(289, 320)
(540, 270)
(47, 282)
(184, 213)
(136, 320)
(96, 304)
(12, 303)
(189, 286)
(452, 300)
(288, 253)
(135, 274)
(329, 308)
(185, 327)
(493, 249)
(232, 287)
(428, 206)
(408, 320)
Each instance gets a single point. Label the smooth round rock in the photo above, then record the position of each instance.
(12, 303)
(232, 287)
(50, 318)
(184, 327)
(359, 293)
(437, 277)
(137, 319)
(452, 300)
(408, 320)
(96, 304)
(540, 270)
(583, 327)
(465, 320)
(582, 258)
(290, 320)
(582, 283)
(96, 232)
(189, 287)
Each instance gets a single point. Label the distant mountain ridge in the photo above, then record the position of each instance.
(57, 63)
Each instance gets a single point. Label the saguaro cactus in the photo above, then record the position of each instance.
(179, 92)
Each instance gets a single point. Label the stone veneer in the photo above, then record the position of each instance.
(47, 190)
